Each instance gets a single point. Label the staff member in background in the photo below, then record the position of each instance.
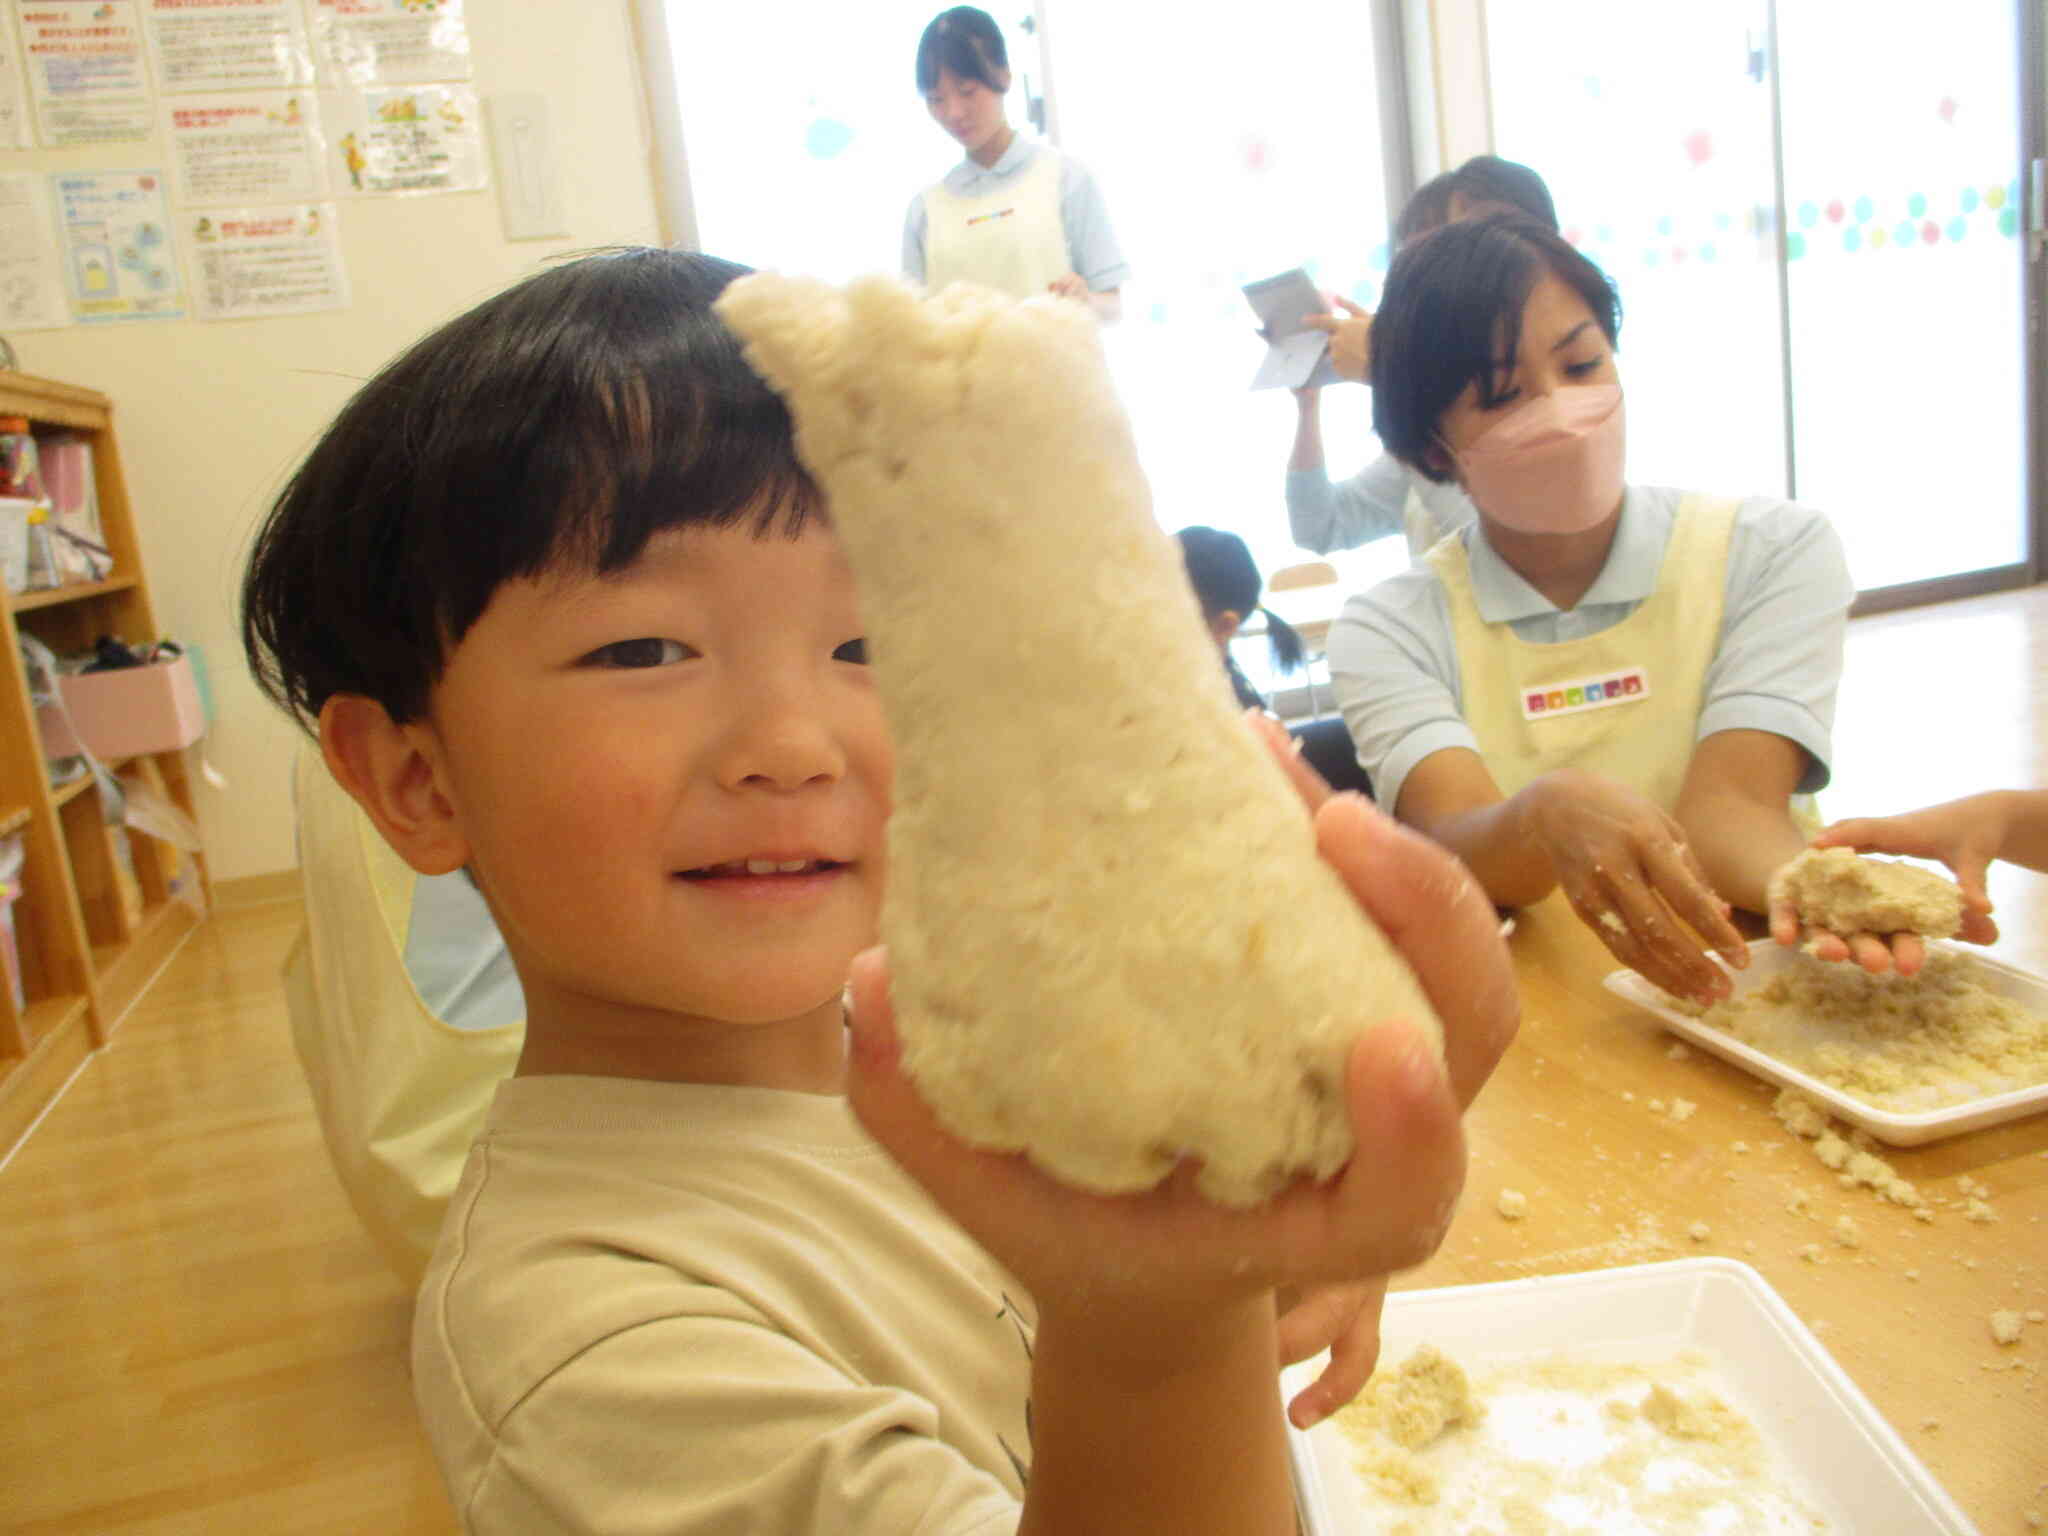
(1386, 497)
(1611, 688)
(1014, 215)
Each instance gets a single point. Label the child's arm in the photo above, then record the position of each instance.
(1966, 835)
(1154, 1403)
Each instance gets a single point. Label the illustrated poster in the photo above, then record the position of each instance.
(391, 42)
(115, 239)
(85, 70)
(249, 263)
(423, 138)
(31, 266)
(245, 147)
(15, 117)
(225, 45)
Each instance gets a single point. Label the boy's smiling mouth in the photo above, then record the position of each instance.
(756, 867)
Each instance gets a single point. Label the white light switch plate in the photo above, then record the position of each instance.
(523, 155)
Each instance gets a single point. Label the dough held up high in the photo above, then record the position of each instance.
(1844, 892)
(1112, 943)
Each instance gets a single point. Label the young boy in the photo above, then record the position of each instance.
(566, 614)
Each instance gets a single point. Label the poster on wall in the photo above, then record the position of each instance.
(116, 242)
(250, 263)
(246, 147)
(85, 70)
(424, 138)
(14, 113)
(31, 268)
(224, 45)
(391, 42)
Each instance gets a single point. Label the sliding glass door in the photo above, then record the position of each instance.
(1813, 211)
(805, 140)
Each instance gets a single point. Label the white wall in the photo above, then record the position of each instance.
(212, 417)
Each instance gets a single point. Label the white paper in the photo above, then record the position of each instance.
(214, 45)
(117, 245)
(31, 264)
(1296, 358)
(422, 138)
(253, 262)
(15, 117)
(85, 70)
(247, 147)
(390, 42)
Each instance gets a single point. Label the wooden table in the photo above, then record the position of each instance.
(1610, 1182)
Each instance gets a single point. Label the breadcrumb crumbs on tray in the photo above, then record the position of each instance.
(2006, 1326)
(1902, 1043)
(1512, 1204)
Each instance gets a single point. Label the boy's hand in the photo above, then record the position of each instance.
(1143, 1272)
(1345, 1320)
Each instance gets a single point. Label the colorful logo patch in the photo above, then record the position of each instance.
(1624, 687)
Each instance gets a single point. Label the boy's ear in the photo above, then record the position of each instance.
(392, 771)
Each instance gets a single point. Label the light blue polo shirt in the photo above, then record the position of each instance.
(1776, 666)
(1092, 250)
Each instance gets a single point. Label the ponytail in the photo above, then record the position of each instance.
(1285, 642)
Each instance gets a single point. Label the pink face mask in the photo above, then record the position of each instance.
(1553, 465)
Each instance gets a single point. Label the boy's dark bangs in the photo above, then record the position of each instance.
(600, 425)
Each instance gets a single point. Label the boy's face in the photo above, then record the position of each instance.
(673, 782)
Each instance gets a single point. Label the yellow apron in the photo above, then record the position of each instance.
(1624, 702)
(400, 1094)
(1013, 239)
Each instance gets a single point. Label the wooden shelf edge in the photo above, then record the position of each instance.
(32, 1082)
(13, 818)
(71, 592)
(124, 971)
(70, 789)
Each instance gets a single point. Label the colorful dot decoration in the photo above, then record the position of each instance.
(1917, 220)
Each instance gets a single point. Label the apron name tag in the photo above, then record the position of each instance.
(983, 218)
(1631, 685)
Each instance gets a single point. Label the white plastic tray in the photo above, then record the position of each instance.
(1848, 1465)
(1900, 1128)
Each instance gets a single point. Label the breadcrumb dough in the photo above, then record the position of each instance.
(1112, 943)
(2006, 1326)
(1564, 1443)
(1907, 1043)
(1512, 1204)
(1844, 892)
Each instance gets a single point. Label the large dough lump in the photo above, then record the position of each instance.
(1843, 892)
(1111, 940)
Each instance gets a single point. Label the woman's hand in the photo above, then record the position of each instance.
(1069, 285)
(1350, 338)
(1629, 873)
(1965, 834)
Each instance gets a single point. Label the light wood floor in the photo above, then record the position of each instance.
(197, 1337)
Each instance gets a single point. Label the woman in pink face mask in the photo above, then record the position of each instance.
(1618, 689)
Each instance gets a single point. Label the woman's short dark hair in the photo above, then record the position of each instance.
(1451, 315)
(1484, 181)
(568, 419)
(1226, 580)
(967, 41)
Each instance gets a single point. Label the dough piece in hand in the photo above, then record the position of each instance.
(1844, 892)
(1111, 940)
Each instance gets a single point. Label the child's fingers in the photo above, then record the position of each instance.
(1435, 914)
(1357, 310)
(1346, 1321)
(1395, 1198)
(1313, 788)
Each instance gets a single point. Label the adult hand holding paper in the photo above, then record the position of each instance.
(1297, 354)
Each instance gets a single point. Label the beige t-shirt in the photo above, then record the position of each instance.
(682, 1308)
